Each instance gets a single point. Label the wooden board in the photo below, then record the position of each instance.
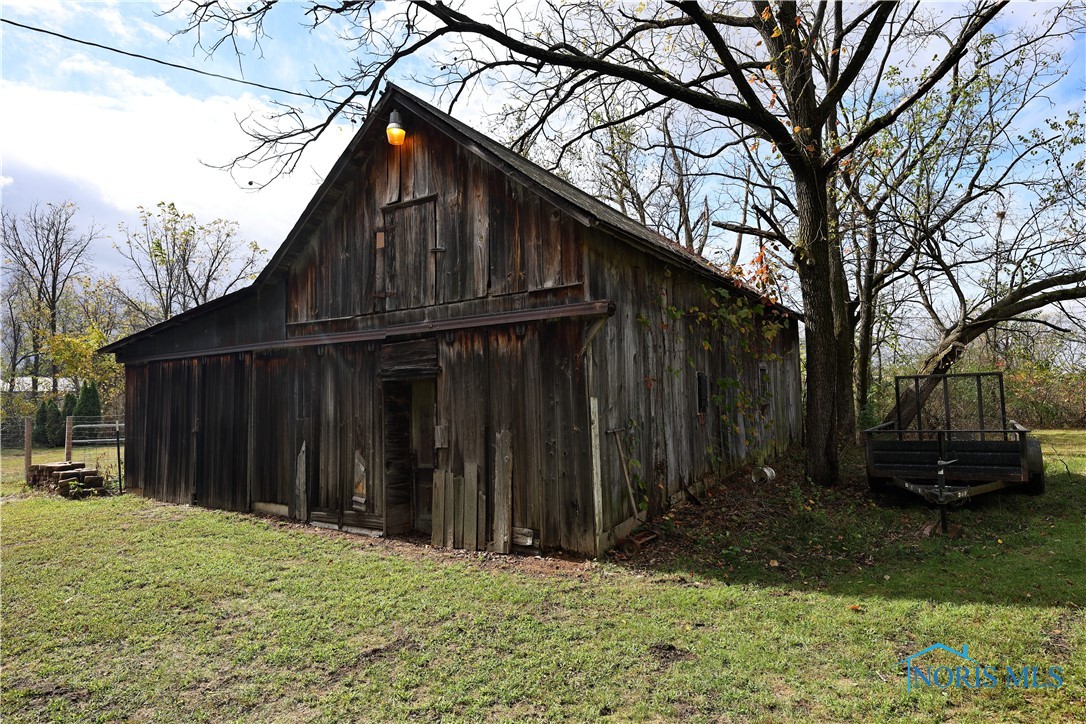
(503, 491)
(437, 532)
(471, 502)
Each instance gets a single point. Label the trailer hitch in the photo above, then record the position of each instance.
(941, 494)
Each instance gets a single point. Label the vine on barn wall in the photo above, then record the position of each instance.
(747, 330)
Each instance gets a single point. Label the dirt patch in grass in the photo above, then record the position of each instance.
(162, 511)
(667, 654)
(416, 547)
(57, 691)
(735, 525)
(1057, 639)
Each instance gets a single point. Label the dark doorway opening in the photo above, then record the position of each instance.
(409, 454)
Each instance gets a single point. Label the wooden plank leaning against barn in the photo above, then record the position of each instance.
(503, 491)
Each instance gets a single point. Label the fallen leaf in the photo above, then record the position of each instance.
(854, 607)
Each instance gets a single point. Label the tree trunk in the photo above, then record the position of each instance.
(844, 331)
(864, 341)
(53, 335)
(950, 349)
(813, 264)
(865, 324)
(35, 366)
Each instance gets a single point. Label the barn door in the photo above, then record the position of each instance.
(409, 254)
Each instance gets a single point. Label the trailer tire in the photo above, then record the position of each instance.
(877, 484)
(1035, 463)
(1036, 484)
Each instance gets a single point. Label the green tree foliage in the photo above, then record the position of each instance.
(54, 425)
(40, 434)
(70, 400)
(89, 404)
(76, 356)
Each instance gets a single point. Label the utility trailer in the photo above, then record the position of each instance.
(959, 444)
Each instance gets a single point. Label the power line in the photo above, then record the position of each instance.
(163, 62)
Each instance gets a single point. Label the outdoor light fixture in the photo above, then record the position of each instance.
(394, 130)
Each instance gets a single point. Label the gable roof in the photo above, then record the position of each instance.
(581, 206)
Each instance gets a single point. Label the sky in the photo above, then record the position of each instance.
(112, 133)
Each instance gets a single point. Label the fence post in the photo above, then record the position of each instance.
(68, 439)
(117, 433)
(28, 446)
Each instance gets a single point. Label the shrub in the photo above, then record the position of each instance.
(89, 404)
(54, 425)
(41, 419)
(70, 401)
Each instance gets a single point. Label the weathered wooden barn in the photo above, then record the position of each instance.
(454, 341)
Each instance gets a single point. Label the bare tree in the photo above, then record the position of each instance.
(16, 328)
(1002, 277)
(178, 263)
(775, 71)
(43, 254)
(927, 201)
(651, 168)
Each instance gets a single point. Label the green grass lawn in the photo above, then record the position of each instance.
(796, 604)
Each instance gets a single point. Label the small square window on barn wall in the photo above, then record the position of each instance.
(703, 392)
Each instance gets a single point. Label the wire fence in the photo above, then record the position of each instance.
(11, 433)
(98, 430)
(97, 442)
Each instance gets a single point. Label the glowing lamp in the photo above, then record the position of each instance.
(394, 130)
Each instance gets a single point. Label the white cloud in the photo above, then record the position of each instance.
(65, 15)
(136, 142)
(112, 20)
(153, 31)
(52, 13)
(6, 181)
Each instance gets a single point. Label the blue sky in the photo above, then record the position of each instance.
(114, 133)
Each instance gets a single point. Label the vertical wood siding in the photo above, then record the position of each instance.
(528, 383)
(190, 419)
(645, 364)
